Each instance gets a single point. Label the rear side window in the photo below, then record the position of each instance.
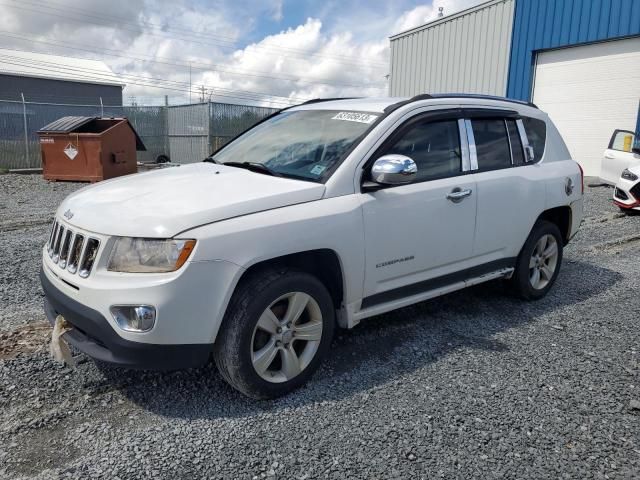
(434, 146)
(492, 144)
(517, 151)
(537, 135)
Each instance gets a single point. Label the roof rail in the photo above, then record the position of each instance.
(481, 96)
(427, 96)
(318, 100)
(395, 106)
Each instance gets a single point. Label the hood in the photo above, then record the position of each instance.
(165, 202)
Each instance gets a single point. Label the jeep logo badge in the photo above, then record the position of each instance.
(68, 214)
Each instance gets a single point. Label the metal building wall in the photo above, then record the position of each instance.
(48, 90)
(545, 24)
(466, 53)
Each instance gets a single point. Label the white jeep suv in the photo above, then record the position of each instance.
(321, 215)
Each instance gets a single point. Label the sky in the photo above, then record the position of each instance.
(268, 52)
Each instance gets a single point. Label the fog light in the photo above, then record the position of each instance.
(134, 318)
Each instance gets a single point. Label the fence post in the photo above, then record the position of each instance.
(101, 108)
(26, 132)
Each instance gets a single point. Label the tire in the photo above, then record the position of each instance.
(162, 159)
(524, 282)
(248, 330)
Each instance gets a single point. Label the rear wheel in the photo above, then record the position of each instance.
(539, 262)
(278, 326)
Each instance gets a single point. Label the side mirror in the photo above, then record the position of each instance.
(393, 170)
(530, 156)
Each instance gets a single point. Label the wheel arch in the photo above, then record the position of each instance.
(323, 263)
(562, 218)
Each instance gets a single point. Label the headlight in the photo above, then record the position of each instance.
(628, 175)
(146, 255)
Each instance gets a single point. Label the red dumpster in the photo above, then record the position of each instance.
(89, 149)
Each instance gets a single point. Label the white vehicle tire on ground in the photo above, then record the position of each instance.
(539, 261)
(276, 331)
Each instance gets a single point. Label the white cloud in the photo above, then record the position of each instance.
(347, 57)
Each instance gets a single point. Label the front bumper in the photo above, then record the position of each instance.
(627, 194)
(93, 335)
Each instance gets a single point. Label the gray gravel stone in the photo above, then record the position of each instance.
(476, 384)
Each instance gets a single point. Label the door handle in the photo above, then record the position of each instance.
(609, 156)
(457, 194)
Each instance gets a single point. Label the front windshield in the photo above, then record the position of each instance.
(303, 144)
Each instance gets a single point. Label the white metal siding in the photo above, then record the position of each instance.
(589, 91)
(467, 52)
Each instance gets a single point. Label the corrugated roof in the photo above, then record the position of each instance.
(56, 67)
(65, 124)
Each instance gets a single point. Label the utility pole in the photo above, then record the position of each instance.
(202, 93)
(189, 82)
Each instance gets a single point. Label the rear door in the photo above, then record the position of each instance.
(618, 156)
(511, 191)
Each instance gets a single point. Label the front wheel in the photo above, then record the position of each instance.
(278, 326)
(539, 262)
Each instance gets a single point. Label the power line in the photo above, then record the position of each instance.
(175, 62)
(221, 44)
(240, 95)
(100, 75)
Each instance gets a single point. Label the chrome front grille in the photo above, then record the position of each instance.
(72, 250)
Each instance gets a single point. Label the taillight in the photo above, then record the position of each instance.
(581, 177)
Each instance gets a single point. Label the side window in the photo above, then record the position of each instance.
(517, 152)
(492, 144)
(622, 140)
(434, 146)
(537, 135)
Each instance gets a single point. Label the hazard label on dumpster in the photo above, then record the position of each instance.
(71, 151)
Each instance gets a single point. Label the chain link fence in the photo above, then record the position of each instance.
(183, 134)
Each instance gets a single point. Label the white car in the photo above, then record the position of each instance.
(619, 155)
(321, 215)
(627, 192)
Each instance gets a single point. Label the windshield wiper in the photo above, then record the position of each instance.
(254, 167)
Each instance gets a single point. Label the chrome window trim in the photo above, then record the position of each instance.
(506, 129)
(523, 133)
(473, 153)
(464, 146)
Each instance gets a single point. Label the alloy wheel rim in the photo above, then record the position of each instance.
(286, 337)
(543, 262)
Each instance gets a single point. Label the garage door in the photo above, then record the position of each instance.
(589, 91)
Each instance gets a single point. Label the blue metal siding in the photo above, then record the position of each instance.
(638, 128)
(543, 24)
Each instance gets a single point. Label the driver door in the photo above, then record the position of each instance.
(418, 232)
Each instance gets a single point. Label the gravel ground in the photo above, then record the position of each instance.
(476, 384)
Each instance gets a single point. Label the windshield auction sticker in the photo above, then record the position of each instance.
(355, 117)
